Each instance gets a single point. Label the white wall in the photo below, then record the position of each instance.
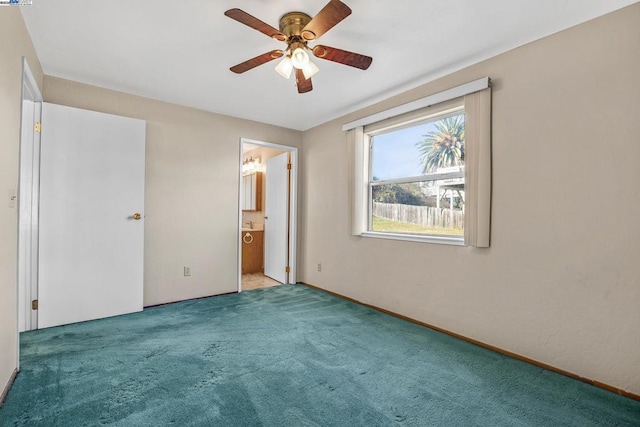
(561, 282)
(15, 44)
(191, 193)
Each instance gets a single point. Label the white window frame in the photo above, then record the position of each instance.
(424, 116)
(477, 171)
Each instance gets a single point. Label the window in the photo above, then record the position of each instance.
(416, 176)
(421, 171)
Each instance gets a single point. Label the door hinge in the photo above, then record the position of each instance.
(38, 127)
(287, 269)
(289, 166)
(34, 304)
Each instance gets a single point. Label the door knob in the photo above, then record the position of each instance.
(137, 216)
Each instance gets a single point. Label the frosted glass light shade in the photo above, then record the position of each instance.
(285, 67)
(310, 70)
(299, 58)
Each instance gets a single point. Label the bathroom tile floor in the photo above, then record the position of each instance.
(257, 281)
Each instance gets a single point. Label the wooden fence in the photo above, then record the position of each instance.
(421, 215)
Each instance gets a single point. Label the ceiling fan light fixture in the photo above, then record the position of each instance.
(310, 70)
(285, 67)
(296, 30)
(299, 58)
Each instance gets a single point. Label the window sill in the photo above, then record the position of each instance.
(441, 240)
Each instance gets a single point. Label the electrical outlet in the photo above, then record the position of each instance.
(319, 267)
(187, 271)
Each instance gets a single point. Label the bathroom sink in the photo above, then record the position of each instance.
(256, 227)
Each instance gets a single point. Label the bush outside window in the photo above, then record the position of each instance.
(417, 177)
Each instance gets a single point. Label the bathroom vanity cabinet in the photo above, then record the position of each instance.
(252, 251)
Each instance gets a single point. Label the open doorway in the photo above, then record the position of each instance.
(267, 215)
(28, 202)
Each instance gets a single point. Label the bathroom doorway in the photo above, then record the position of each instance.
(267, 215)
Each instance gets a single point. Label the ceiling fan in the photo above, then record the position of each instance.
(296, 30)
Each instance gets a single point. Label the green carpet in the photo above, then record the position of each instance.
(285, 356)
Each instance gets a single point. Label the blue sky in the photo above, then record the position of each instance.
(395, 154)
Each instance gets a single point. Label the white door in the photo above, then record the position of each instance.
(91, 185)
(276, 225)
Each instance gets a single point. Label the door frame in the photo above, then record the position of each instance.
(27, 263)
(293, 205)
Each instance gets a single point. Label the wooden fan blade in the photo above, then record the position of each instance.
(334, 12)
(342, 57)
(304, 85)
(253, 22)
(258, 60)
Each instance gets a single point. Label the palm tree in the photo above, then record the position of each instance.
(444, 146)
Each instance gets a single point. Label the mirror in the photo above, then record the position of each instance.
(252, 192)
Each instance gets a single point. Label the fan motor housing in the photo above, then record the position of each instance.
(292, 23)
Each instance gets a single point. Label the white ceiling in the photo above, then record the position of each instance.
(180, 51)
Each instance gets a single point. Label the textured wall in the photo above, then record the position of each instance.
(191, 194)
(561, 281)
(15, 44)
